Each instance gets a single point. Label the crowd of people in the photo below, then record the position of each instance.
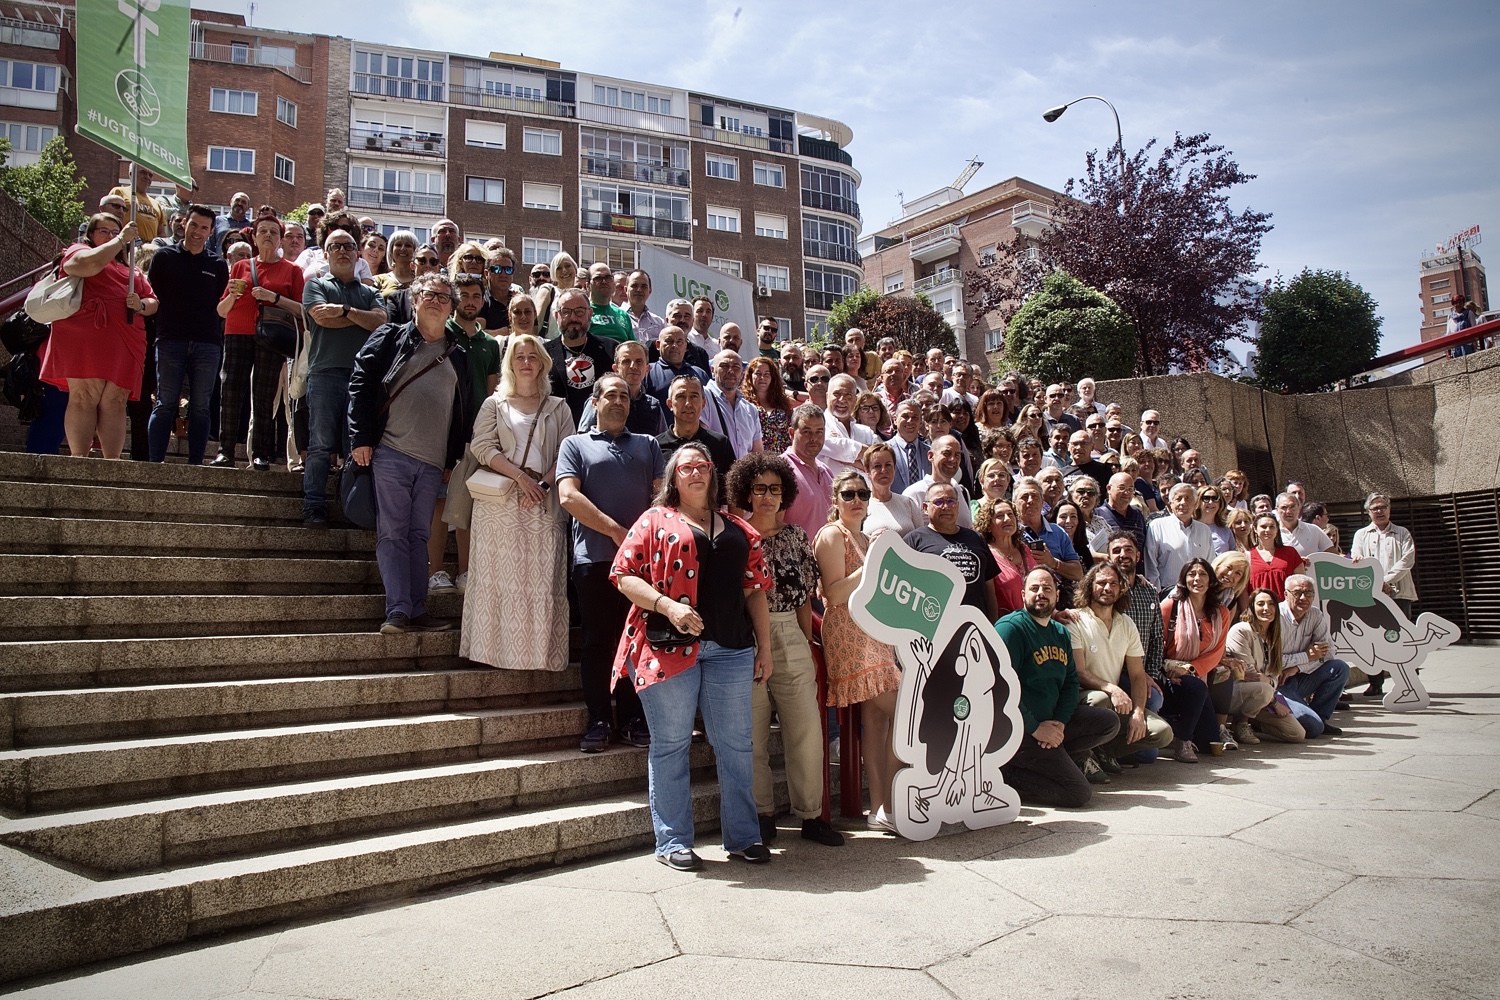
(701, 506)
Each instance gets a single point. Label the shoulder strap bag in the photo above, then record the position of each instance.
(275, 327)
(491, 485)
(55, 297)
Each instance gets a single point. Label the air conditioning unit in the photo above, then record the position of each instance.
(762, 292)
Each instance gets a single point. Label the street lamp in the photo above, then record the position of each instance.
(1053, 114)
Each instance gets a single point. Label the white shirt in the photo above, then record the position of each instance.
(1151, 442)
(1394, 549)
(918, 491)
(842, 444)
(710, 346)
(1306, 538)
(1171, 545)
(900, 514)
(743, 420)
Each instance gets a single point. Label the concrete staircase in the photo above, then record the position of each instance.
(201, 730)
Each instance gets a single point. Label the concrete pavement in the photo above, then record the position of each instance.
(1366, 866)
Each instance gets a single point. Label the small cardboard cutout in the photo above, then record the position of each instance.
(1370, 632)
(957, 719)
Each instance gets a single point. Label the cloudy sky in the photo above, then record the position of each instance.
(1372, 126)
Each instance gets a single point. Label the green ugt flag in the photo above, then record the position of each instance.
(132, 81)
(1351, 585)
(909, 597)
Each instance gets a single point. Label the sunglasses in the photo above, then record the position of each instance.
(817, 379)
(1094, 427)
(428, 260)
(944, 502)
(1150, 423)
(848, 496)
(502, 269)
(761, 489)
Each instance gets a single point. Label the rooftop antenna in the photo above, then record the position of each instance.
(901, 197)
(250, 21)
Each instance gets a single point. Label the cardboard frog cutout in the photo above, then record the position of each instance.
(1369, 631)
(957, 719)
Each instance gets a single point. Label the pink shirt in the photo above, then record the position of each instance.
(814, 494)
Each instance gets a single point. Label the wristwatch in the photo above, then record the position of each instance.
(345, 313)
(544, 486)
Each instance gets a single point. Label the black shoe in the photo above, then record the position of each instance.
(596, 739)
(315, 519)
(1108, 762)
(222, 461)
(1329, 729)
(768, 829)
(635, 733)
(681, 861)
(1376, 688)
(396, 624)
(755, 854)
(260, 465)
(818, 829)
(427, 623)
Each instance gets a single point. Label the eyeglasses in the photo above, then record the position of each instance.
(761, 489)
(817, 379)
(541, 274)
(472, 256)
(1085, 493)
(1054, 395)
(944, 502)
(849, 496)
(696, 469)
(340, 247)
(578, 311)
(1094, 427)
(1378, 509)
(502, 269)
(1209, 497)
(431, 295)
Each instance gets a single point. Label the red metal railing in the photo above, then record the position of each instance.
(1438, 345)
(13, 292)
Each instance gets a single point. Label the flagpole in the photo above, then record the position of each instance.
(135, 114)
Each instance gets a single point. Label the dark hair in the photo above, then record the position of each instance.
(1085, 594)
(1313, 509)
(776, 397)
(1210, 599)
(1273, 628)
(1080, 536)
(204, 211)
(1180, 441)
(668, 495)
(744, 472)
(1119, 533)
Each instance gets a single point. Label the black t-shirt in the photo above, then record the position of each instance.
(188, 288)
(1093, 468)
(967, 551)
(574, 372)
(719, 449)
(721, 585)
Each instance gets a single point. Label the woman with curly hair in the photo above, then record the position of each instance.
(764, 387)
(997, 523)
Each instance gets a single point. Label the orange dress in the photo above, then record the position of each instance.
(859, 668)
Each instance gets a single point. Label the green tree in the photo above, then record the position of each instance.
(850, 312)
(1314, 331)
(298, 214)
(49, 189)
(910, 319)
(1067, 331)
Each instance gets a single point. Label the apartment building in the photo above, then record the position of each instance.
(943, 235)
(1441, 277)
(549, 159)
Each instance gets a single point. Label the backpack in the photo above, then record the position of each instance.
(21, 384)
(20, 333)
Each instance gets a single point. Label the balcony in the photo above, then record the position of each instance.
(742, 139)
(250, 55)
(396, 201)
(638, 225)
(32, 34)
(941, 242)
(419, 143)
(476, 98)
(825, 202)
(631, 119)
(823, 149)
(1033, 218)
(633, 170)
(945, 276)
(831, 251)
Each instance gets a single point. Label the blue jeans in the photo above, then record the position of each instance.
(327, 402)
(1312, 697)
(197, 364)
(405, 496)
(46, 432)
(718, 685)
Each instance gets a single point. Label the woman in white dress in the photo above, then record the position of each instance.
(516, 603)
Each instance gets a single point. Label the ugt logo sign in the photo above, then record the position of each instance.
(134, 89)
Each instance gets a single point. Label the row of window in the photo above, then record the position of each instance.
(230, 160)
(491, 135)
(727, 168)
(766, 275)
(27, 138)
(619, 97)
(28, 75)
(247, 102)
(491, 191)
(727, 220)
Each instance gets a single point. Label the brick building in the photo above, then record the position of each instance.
(550, 159)
(942, 235)
(1440, 279)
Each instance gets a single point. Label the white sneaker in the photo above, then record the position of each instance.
(878, 820)
(440, 583)
(461, 582)
(833, 751)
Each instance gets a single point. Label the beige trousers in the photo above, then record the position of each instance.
(793, 692)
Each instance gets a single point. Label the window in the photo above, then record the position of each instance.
(829, 238)
(725, 168)
(620, 255)
(636, 211)
(486, 189)
(619, 97)
(724, 220)
(1439, 283)
(894, 283)
(1438, 300)
(829, 190)
(773, 277)
(490, 135)
(547, 196)
(239, 52)
(994, 340)
(628, 157)
(943, 305)
(28, 76)
(542, 140)
(285, 169)
(228, 160)
(286, 112)
(398, 76)
(825, 287)
(1441, 313)
(729, 124)
(27, 138)
(539, 251)
(986, 254)
(233, 102)
(733, 268)
(770, 175)
(773, 226)
(783, 328)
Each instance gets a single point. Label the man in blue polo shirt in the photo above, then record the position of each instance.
(1049, 544)
(606, 479)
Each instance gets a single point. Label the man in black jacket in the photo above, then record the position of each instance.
(411, 408)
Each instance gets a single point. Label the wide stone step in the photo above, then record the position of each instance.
(115, 840)
(121, 916)
(58, 575)
(58, 717)
(45, 666)
(47, 778)
(168, 476)
(32, 619)
(90, 536)
(137, 504)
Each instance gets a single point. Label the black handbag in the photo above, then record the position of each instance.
(275, 327)
(661, 633)
(357, 494)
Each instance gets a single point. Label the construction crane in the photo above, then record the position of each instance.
(973, 168)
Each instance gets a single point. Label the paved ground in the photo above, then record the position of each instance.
(1362, 867)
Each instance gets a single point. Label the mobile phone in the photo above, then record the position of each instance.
(1036, 546)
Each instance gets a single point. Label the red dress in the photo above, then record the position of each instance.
(98, 341)
(1272, 575)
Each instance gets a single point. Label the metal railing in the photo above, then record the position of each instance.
(633, 170)
(422, 144)
(631, 119)
(946, 276)
(826, 202)
(407, 201)
(249, 55)
(32, 34)
(640, 225)
(939, 235)
(824, 250)
(476, 98)
(742, 139)
(13, 292)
